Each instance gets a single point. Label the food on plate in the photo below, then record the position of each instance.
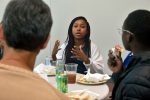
(85, 81)
(82, 95)
(82, 79)
(93, 78)
(49, 70)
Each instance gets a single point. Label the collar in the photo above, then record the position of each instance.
(142, 54)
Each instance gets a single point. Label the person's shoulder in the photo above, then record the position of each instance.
(138, 75)
(136, 80)
(93, 44)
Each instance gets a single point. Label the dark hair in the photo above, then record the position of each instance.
(26, 24)
(1, 53)
(70, 39)
(138, 22)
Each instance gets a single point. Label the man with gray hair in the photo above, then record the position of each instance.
(24, 31)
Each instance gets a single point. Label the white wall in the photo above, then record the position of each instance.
(3, 4)
(104, 16)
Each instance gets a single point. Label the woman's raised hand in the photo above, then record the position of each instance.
(55, 49)
(79, 54)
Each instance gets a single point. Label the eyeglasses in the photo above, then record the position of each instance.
(120, 31)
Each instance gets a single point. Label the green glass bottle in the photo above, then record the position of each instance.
(62, 82)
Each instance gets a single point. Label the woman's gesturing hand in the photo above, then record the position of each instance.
(55, 49)
(79, 54)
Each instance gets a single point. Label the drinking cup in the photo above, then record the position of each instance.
(71, 70)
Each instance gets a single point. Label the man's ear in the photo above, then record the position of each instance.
(130, 37)
(1, 33)
(2, 39)
(46, 42)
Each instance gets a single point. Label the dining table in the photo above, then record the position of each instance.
(103, 89)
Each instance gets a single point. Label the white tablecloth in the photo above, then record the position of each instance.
(101, 89)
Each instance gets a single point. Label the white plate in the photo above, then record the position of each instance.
(81, 80)
(50, 71)
(83, 95)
